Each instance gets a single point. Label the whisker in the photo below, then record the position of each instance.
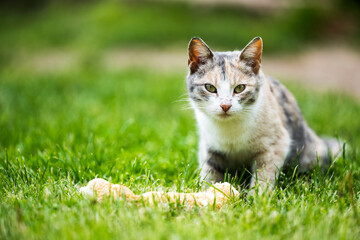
(182, 98)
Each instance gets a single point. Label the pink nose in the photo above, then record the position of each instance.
(225, 107)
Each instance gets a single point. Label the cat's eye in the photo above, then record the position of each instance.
(239, 88)
(210, 88)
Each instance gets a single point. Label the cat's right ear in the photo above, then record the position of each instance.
(199, 53)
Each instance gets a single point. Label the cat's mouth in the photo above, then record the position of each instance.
(224, 115)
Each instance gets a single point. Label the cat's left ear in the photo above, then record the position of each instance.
(199, 53)
(251, 54)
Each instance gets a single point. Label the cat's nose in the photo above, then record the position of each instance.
(225, 107)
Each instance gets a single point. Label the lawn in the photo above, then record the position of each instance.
(60, 129)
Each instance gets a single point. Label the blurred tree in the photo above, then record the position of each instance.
(353, 5)
(32, 4)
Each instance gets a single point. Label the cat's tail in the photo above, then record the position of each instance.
(335, 147)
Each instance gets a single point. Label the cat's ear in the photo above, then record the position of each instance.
(199, 53)
(251, 54)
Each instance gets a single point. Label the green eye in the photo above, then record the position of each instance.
(239, 88)
(210, 88)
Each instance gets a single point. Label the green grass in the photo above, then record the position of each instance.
(58, 131)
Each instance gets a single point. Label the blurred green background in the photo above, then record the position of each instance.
(90, 26)
(93, 25)
(48, 36)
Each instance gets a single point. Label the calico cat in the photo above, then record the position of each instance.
(247, 119)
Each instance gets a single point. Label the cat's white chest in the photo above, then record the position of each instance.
(233, 138)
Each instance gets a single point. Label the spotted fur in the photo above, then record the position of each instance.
(263, 130)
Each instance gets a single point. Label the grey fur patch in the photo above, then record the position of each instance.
(284, 98)
(250, 97)
(191, 88)
(196, 91)
(303, 138)
(245, 98)
(198, 94)
(200, 72)
(255, 94)
(220, 162)
(220, 61)
(215, 160)
(232, 65)
(195, 98)
(247, 71)
(204, 94)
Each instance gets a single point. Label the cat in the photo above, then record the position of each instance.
(247, 119)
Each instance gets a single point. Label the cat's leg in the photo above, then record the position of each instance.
(210, 174)
(266, 168)
(211, 165)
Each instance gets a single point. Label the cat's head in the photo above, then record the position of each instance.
(224, 85)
